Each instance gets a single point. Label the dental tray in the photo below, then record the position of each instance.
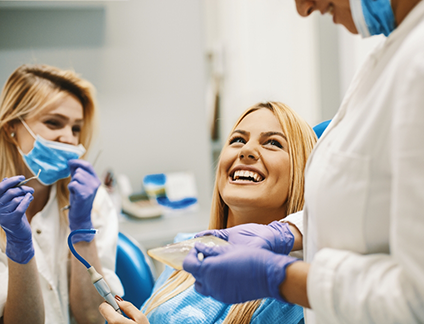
(174, 254)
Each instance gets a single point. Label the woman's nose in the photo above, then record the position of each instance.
(305, 7)
(249, 153)
(67, 136)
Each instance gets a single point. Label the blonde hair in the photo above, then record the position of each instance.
(301, 139)
(27, 92)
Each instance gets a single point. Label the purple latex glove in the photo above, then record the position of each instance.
(82, 191)
(13, 205)
(275, 237)
(237, 273)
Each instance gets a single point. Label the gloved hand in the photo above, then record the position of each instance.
(13, 205)
(275, 237)
(237, 273)
(82, 191)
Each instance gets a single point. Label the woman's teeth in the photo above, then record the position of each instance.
(241, 175)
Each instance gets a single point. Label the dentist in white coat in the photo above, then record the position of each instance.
(364, 192)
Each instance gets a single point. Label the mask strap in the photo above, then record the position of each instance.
(27, 127)
(358, 18)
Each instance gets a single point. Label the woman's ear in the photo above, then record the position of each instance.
(11, 128)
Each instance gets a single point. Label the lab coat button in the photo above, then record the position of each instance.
(50, 287)
(38, 231)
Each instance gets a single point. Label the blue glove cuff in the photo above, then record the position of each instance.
(276, 273)
(86, 237)
(284, 238)
(19, 251)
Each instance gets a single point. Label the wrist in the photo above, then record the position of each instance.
(19, 250)
(276, 273)
(81, 224)
(284, 238)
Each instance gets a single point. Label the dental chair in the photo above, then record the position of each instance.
(320, 128)
(134, 269)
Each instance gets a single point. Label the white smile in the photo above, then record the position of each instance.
(246, 176)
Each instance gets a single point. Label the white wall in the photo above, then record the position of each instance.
(146, 59)
(267, 53)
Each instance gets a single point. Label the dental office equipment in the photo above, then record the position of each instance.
(26, 180)
(96, 278)
(174, 254)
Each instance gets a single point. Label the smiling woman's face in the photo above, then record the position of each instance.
(254, 168)
(61, 122)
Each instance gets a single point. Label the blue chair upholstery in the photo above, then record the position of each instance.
(320, 128)
(133, 270)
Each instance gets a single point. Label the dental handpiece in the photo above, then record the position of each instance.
(103, 288)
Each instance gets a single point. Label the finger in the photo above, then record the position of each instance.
(191, 263)
(222, 234)
(83, 177)
(11, 205)
(23, 206)
(208, 250)
(133, 312)
(80, 164)
(13, 193)
(112, 316)
(8, 183)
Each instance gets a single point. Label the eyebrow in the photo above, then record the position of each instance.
(77, 121)
(268, 134)
(263, 134)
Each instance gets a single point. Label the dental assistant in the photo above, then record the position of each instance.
(47, 119)
(364, 192)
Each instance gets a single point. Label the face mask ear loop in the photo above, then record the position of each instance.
(358, 18)
(27, 128)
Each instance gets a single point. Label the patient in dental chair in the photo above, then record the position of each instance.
(259, 179)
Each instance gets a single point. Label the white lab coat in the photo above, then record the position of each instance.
(364, 192)
(52, 255)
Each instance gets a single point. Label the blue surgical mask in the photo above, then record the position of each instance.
(373, 17)
(51, 158)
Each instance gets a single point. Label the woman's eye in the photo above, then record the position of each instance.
(52, 123)
(237, 140)
(76, 129)
(274, 143)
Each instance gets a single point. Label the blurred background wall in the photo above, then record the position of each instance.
(146, 60)
(172, 76)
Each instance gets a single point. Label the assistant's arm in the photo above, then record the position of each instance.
(83, 297)
(24, 297)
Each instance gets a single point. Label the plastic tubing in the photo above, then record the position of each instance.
(71, 246)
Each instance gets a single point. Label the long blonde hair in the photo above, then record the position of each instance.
(28, 91)
(301, 139)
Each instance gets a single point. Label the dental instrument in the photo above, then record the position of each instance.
(96, 278)
(26, 180)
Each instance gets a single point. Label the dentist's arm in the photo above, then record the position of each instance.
(24, 297)
(237, 273)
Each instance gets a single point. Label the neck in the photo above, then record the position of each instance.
(401, 9)
(240, 215)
